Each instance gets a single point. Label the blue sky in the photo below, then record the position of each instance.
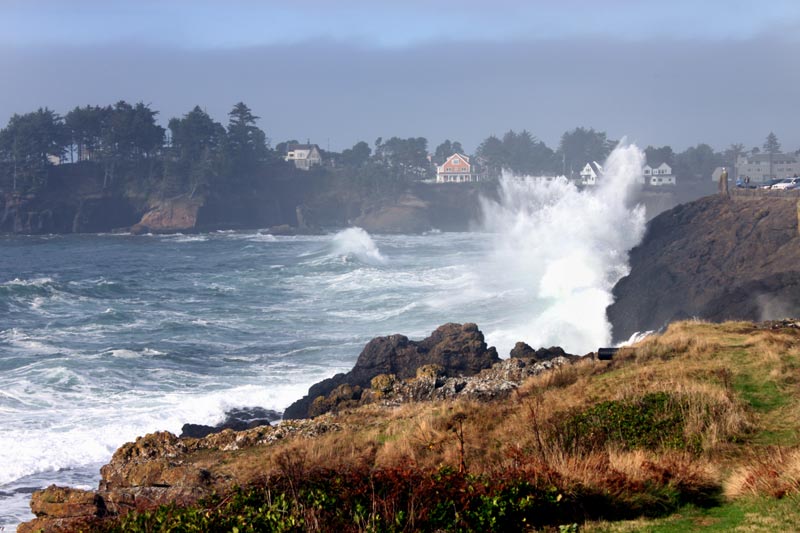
(338, 71)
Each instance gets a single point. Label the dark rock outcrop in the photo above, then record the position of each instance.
(459, 349)
(235, 419)
(523, 351)
(715, 259)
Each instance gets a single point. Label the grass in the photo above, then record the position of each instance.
(750, 515)
(693, 429)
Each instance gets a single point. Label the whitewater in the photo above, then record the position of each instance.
(104, 338)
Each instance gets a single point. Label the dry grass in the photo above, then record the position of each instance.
(772, 471)
(734, 383)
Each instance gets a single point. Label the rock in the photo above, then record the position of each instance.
(178, 214)
(235, 419)
(287, 230)
(494, 383)
(716, 259)
(460, 350)
(103, 213)
(522, 350)
(545, 354)
(408, 215)
(64, 502)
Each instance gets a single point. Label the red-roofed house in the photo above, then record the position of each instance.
(456, 169)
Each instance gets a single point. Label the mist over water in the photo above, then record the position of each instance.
(563, 249)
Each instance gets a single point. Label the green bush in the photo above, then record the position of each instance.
(652, 421)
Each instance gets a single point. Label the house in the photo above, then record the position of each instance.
(590, 173)
(757, 166)
(456, 169)
(659, 176)
(304, 156)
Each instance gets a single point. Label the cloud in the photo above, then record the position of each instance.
(678, 93)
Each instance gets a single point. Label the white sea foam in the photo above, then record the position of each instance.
(566, 248)
(35, 282)
(355, 243)
(86, 434)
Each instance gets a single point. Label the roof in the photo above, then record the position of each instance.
(595, 166)
(291, 147)
(462, 156)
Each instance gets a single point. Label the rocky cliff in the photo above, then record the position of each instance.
(458, 349)
(715, 258)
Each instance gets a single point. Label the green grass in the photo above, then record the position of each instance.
(761, 394)
(750, 515)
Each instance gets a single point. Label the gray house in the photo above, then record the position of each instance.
(304, 156)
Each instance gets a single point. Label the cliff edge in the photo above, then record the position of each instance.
(715, 258)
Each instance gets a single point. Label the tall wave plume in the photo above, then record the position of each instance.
(356, 244)
(563, 249)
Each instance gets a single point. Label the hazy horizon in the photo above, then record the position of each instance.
(678, 75)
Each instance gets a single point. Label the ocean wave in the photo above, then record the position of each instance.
(84, 434)
(355, 244)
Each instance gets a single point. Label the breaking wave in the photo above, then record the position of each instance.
(565, 247)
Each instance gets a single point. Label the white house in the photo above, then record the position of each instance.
(659, 176)
(455, 169)
(590, 173)
(304, 156)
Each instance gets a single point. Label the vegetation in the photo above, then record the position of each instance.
(196, 155)
(695, 427)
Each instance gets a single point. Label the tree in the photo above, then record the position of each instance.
(85, 126)
(492, 151)
(28, 141)
(526, 155)
(697, 163)
(656, 156)
(356, 156)
(581, 146)
(246, 144)
(772, 147)
(445, 150)
(196, 143)
(407, 157)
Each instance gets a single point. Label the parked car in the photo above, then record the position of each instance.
(788, 183)
(770, 183)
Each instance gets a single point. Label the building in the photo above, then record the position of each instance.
(756, 167)
(590, 173)
(456, 169)
(659, 176)
(304, 156)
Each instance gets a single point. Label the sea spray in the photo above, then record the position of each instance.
(356, 244)
(565, 248)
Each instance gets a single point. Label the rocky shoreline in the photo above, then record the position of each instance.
(162, 468)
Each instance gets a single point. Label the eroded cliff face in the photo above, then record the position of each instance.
(715, 258)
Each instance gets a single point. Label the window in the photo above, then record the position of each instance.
(456, 161)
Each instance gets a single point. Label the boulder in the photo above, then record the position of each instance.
(459, 349)
(235, 419)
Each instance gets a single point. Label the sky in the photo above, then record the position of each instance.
(339, 71)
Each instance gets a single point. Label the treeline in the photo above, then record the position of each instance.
(196, 154)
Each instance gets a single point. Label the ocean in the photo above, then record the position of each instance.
(104, 338)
